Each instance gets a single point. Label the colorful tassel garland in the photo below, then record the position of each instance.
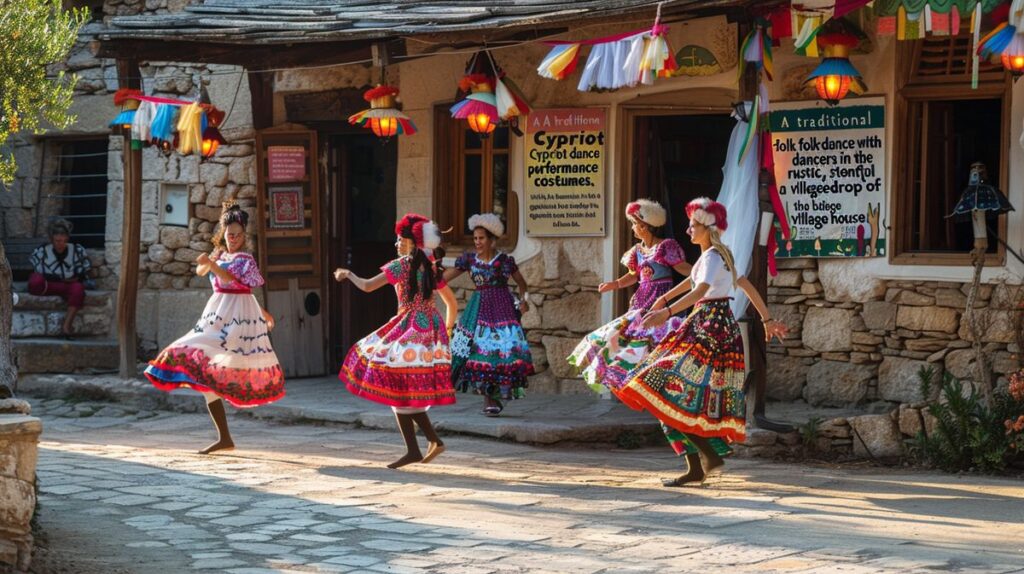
(190, 129)
(560, 62)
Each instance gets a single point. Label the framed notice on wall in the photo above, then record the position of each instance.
(286, 163)
(830, 171)
(565, 172)
(286, 207)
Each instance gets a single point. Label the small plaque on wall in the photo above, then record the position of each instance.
(287, 210)
(286, 163)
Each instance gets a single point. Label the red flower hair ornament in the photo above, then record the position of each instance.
(708, 213)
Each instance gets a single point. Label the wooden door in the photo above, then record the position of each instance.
(363, 172)
(290, 228)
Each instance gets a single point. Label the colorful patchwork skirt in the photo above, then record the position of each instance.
(228, 353)
(405, 363)
(490, 355)
(693, 380)
(606, 356)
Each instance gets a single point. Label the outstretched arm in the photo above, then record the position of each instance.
(772, 328)
(662, 302)
(451, 273)
(620, 283)
(364, 285)
(451, 307)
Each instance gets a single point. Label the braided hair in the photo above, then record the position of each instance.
(411, 227)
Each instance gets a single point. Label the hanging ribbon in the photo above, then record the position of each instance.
(617, 61)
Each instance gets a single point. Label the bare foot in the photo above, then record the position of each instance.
(435, 449)
(409, 458)
(219, 445)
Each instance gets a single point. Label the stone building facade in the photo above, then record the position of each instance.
(861, 328)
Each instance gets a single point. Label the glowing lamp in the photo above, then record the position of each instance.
(383, 118)
(1014, 63)
(383, 127)
(481, 123)
(211, 141)
(836, 77)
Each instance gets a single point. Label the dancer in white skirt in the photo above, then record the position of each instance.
(227, 356)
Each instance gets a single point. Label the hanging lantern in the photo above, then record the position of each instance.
(126, 98)
(1005, 42)
(835, 77)
(480, 107)
(383, 118)
(211, 141)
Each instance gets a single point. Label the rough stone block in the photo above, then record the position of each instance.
(578, 312)
(786, 377)
(877, 436)
(835, 383)
(910, 421)
(558, 349)
(995, 325)
(850, 280)
(173, 237)
(940, 319)
(827, 329)
(898, 379)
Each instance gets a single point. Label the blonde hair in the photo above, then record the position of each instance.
(725, 252)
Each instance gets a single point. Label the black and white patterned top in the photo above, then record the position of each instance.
(72, 264)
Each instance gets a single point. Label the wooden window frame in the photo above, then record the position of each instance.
(913, 89)
(450, 187)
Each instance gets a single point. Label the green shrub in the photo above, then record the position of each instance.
(968, 434)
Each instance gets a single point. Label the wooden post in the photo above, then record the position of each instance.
(131, 228)
(757, 381)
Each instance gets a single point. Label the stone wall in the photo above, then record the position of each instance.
(19, 436)
(858, 339)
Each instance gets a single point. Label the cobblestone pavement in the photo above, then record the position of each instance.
(121, 491)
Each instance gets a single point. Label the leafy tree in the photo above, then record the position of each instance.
(34, 34)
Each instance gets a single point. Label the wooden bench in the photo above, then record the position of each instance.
(18, 250)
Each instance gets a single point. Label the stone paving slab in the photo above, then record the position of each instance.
(305, 498)
(537, 419)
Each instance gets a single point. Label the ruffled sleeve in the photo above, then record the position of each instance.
(669, 253)
(509, 266)
(246, 271)
(394, 271)
(629, 259)
(465, 261)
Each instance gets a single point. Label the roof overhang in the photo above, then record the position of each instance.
(264, 34)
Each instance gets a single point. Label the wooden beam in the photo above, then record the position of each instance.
(261, 88)
(131, 228)
(758, 275)
(252, 57)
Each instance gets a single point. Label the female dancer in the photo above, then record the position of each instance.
(406, 363)
(490, 354)
(609, 353)
(693, 380)
(227, 356)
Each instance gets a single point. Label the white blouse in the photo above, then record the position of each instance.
(710, 269)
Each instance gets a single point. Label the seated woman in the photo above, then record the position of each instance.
(60, 269)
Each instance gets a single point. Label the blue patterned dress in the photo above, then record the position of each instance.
(490, 355)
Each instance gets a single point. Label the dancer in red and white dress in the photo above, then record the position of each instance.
(406, 364)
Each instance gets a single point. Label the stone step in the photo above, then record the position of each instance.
(38, 355)
(94, 299)
(43, 316)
